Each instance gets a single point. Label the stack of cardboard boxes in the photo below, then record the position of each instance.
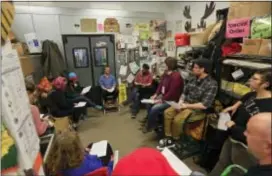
(26, 64)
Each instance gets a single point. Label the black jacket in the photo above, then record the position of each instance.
(59, 105)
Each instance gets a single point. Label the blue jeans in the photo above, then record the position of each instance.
(153, 113)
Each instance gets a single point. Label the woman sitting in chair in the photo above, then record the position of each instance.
(42, 127)
(234, 150)
(68, 157)
(73, 91)
(59, 105)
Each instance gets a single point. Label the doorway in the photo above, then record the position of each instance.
(87, 55)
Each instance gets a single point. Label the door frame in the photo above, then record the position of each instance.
(64, 36)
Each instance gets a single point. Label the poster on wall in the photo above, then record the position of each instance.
(169, 34)
(178, 27)
(126, 28)
(81, 59)
(88, 25)
(141, 27)
(111, 25)
(33, 43)
(159, 26)
(100, 27)
(170, 46)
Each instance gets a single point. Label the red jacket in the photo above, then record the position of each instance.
(172, 85)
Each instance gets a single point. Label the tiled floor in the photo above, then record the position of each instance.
(121, 131)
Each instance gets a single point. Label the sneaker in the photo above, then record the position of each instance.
(143, 120)
(146, 130)
(98, 107)
(133, 116)
(167, 142)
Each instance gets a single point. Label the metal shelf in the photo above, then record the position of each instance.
(247, 64)
(253, 58)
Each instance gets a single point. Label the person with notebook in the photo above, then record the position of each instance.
(259, 100)
(108, 85)
(74, 89)
(42, 127)
(69, 158)
(169, 89)
(199, 94)
(142, 89)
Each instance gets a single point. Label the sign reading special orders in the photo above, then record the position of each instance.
(238, 28)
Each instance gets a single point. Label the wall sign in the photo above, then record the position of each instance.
(261, 27)
(238, 28)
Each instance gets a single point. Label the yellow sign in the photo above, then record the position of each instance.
(122, 93)
(142, 27)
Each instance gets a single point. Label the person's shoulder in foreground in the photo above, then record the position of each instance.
(142, 162)
(258, 135)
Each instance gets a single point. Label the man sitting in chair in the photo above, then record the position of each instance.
(198, 95)
(108, 84)
(142, 89)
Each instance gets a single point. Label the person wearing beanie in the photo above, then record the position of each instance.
(144, 162)
(198, 95)
(73, 92)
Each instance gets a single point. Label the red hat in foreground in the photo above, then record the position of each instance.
(144, 162)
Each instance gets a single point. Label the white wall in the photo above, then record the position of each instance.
(129, 6)
(197, 11)
(49, 20)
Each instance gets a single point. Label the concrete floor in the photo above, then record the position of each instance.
(121, 131)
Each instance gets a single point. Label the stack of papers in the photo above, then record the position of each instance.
(86, 90)
(80, 104)
(111, 90)
(147, 101)
(174, 104)
(223, 118)
(99, 148)
(175, 163)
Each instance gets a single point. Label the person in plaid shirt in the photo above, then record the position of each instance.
(199, 94)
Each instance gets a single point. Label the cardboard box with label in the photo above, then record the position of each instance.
(26, 65)
(248, 9)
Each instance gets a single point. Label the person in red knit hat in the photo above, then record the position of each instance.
(144, 162)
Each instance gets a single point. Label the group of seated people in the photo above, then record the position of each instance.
(250, 117)
(70, 158)
(195, 98)
(57, 98)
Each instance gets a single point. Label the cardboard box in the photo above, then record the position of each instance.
(21, 48)
(26, 65)
(251, 46)
(265, 48)
(201, 38)
(248, 9)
